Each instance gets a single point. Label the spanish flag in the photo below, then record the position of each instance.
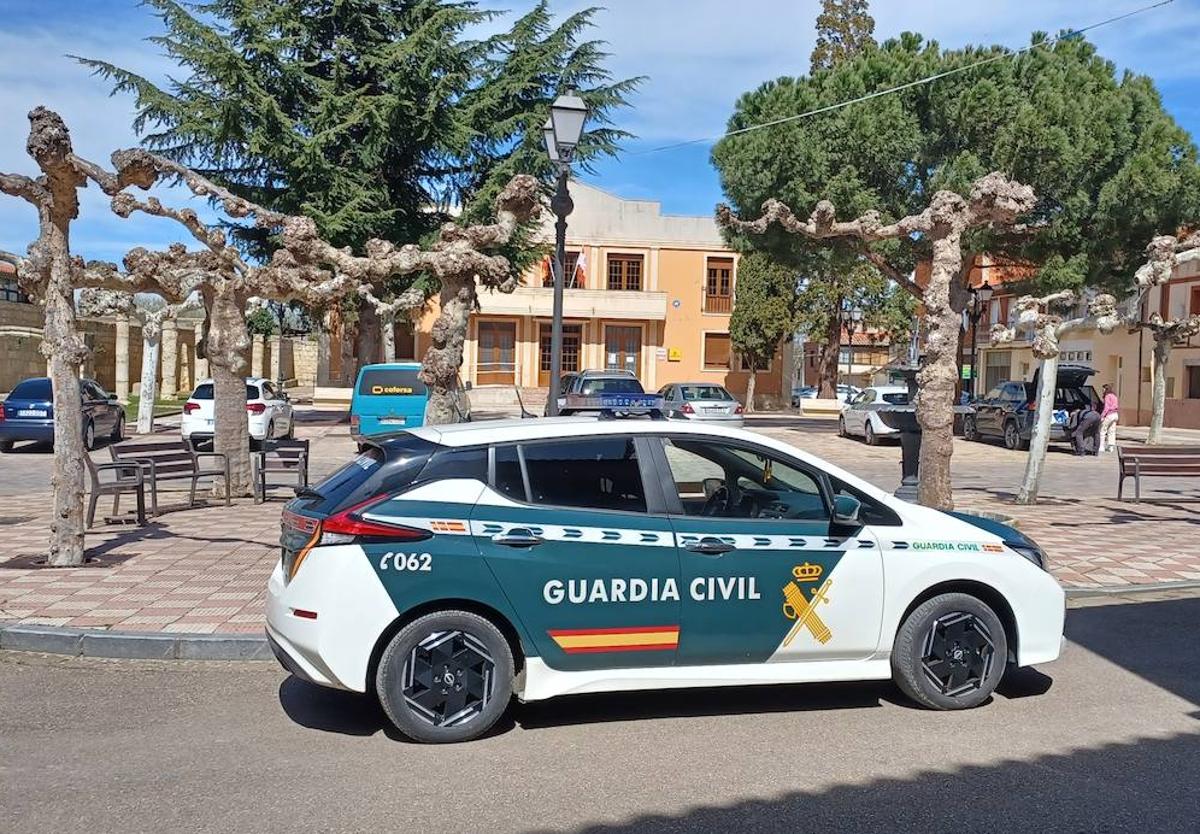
(627, 639)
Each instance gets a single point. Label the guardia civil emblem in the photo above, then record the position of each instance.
(801, 597)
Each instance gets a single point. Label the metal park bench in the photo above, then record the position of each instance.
(289, 457)
(128, 478)
(1155, 462)
(172, 460)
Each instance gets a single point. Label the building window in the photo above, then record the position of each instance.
(9, 291)
(571, 269)
(1194, 302)
(718, 287)
(625, 272)
(717, 352)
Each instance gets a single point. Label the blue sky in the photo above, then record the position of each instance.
(699, 56)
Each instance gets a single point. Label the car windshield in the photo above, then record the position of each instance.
(705, 392)
(402, 382)
(204, 391)
(611, 385)
(32, 389)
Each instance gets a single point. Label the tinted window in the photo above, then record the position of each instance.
(457, 463)
(379, 470)
(872, 512)
(896, 399)
(994, 394)
(91, 391)
(599, 473)
(269, 391)
(33, 389)
(509, 480)
(205, 392)
(392, 382)
(611, 385)
(1015, 391)
(705, 392)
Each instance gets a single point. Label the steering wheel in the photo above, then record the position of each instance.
(717, 503)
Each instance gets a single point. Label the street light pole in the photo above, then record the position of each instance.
(979, 298)
(561, 133)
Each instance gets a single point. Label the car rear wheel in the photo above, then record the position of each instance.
(869, 434)
(950, 652)
(6, 445)
(89, 436)
(445, 677)
(1012, 437)
(970, 430)
(118, 432)
(842, 427)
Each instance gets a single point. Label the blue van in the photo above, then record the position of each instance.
(388, 398)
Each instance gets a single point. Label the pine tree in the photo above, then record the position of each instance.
(844, 28)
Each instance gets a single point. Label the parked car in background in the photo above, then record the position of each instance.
(702, 401)
(810, 392)
(564, 386)
(860, 417)
(1008, 411)
(268, 412)
(388, 397)
(610, 384)
(28, 413)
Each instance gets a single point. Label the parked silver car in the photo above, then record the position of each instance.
(701, 401)
(860, 417)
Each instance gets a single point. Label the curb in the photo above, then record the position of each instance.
(1127, 590)
(134, 645)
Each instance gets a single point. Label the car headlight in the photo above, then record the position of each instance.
(1030, 551)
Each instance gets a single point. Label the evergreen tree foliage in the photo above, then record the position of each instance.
(765, 311)
(844, 28)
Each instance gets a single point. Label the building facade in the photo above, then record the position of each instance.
(647, 292)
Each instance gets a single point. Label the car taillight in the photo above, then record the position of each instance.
(739, 409)
(255, 408)
(352, 524)
(687, 409)
(1032, 406)
(189, 407)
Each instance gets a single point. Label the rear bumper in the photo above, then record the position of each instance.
(735, 420)
(38, 430)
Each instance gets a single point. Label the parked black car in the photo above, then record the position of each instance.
(28, 413)
(1008, 411)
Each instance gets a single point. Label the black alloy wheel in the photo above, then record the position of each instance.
(449, 678)
(1012, 437)
(958, 653)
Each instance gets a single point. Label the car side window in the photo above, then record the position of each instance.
(994, 394)
(866, 397)
(729, 481)
(508, 478)
(1015, 391)
(269, 391)
(596, 473)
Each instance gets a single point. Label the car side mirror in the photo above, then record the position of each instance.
(112, 397)
(846, 509)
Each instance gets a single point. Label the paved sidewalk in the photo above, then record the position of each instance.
(205, 570)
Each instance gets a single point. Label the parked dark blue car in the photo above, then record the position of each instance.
(28, 413)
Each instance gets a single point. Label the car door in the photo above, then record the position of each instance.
(95, 407)
(765, 575)
(986, 410)
(580, 543)
(859, 410)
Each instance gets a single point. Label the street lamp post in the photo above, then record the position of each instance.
(851, 319)
(980, 296)
(561, 133)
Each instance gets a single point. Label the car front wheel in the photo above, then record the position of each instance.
(950, 652)
(446, 677)
(970, 430)
(842, 427)
(89, 436)
(869, 434)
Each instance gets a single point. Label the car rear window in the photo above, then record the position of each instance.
(705, 392)
(378, 470)
(32, 389)
(205, 392)
(402, 382)
(896, 399)
(611, 385)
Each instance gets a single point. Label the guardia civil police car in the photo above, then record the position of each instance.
(452, 567)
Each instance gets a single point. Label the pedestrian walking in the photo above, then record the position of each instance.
(1085, 436)
(1109, 415)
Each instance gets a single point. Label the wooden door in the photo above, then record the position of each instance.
(497, 353)
(623, 348)
(572, 345)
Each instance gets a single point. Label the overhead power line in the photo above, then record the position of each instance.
(1068, 35)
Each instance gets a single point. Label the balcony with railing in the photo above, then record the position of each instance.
(718, 303)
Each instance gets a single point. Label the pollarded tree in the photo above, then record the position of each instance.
(1163, 254)
(995, 202)
(1044, 317)
(764, 314)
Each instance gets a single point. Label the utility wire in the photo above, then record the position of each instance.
(1069, 35)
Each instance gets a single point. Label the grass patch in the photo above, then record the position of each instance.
(162, 408)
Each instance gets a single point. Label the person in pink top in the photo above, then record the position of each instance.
(1109, 414)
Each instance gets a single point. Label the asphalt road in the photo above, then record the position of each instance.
(1107, 739)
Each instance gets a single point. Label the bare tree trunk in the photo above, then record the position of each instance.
(387, 331)
(750, 385)
(367, 343)
(227, 342)
(937, 378)
(445, 354)
(827, 367)
(146, 391)
(64, 349)
(1040, 440)
(1158, 402)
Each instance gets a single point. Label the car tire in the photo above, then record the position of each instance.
(950, 652)
(447, 660)
(6, 445)
(1012, 436)
(970, 430)
(869, 434)
(842, 427)
(118, 432)
(89, 436)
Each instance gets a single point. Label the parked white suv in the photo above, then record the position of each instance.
(268, 412)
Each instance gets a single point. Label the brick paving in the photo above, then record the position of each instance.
(205, 570)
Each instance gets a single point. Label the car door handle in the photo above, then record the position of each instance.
(709, 546)
(517, 537)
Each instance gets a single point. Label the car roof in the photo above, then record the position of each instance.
(399, 366)
(621, 372)
(887, 389)
(542, 428)
(250, 380)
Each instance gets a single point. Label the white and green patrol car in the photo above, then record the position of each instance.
(452, 567)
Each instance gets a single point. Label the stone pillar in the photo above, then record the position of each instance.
(200, 364)
(276, 356)
(256, 354)
(121, 353)
(170, 355)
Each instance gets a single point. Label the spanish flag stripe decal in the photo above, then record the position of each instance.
(625, 639)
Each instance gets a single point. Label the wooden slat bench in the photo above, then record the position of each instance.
(1139, 462)
(172, 460)
(287, 456)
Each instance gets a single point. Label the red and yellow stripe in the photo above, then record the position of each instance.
(627, 639)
